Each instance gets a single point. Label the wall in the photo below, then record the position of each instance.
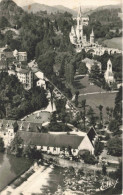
(86, 145)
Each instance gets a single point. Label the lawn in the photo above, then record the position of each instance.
(94, 100)
(114, 43)
(82, 84)
(40, 117)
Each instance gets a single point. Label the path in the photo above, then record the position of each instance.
(98, 93)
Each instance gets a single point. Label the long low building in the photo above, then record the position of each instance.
(51, 143)
(59, 143)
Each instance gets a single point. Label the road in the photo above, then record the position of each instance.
(93, 93)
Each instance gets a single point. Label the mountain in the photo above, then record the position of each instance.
(10, 11)
(85, 9)
(66, 9)
(109, 7)
(36, 7)
(117, 6)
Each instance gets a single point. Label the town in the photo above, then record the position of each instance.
(60, 102)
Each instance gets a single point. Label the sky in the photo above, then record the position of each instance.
(69, 3)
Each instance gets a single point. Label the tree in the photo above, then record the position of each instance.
(68, 93)
(76, 98)
(94, 74)
(1, 145)
(114, 146)
(100, 107)
(107, 112)
(3, 22)
(92, 117)
(51, 88)
(113, 126)
(104, 169)
(82, 68)
(83, 112)
(16, 146)
(60, 105)
(118, 106)
(69, 150)
(88, 158)
(99, 146)
(46, 62)
(69, 73)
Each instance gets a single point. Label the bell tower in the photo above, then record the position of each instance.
(79, 30)
(109, 66)
(92, 36)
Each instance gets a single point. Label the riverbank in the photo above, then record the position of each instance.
(33, 184)
(79, 165)
(49, 179)
(11, 168)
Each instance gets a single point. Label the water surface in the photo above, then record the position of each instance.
(11, 167)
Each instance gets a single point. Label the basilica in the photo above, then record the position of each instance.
(79, 39)
(77, 36)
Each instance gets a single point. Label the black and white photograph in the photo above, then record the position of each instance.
(61, 97)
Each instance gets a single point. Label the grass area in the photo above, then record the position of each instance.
(114, 43)
(82, 84)
(95, 100)
(40, 117)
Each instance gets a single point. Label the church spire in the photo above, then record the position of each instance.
(80, 12)
(92, 33)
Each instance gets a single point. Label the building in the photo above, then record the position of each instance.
(25, 76)
(90, 62)
(31, 133)
(109, 75)
(8, 129)
(40, 79)
(92, 37)
(20, 56)
(77, 36)
(60, 143)
(79, 39)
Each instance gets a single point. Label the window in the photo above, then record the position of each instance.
(48, 147)
(42, 147)
(54, 149)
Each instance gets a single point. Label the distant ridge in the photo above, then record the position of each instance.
(36, 7)
(117, 6)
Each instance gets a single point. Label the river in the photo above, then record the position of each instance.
(11, 167)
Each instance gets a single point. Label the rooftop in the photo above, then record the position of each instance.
(19, 125)
(91, 61)
(46, 139)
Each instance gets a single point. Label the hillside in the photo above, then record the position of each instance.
(36, 7)
(100, 8)
(106, 16)
(10, 11)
